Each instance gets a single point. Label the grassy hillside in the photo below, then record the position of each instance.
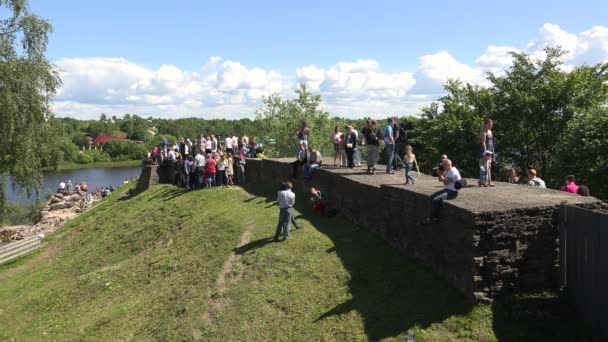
(201, 266)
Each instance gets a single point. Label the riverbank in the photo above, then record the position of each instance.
(111, 164)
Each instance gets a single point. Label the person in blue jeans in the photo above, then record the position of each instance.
(449, 178)
(389, 145)
(286, 199)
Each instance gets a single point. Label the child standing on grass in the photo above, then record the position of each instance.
(408, 161)
(484, 167)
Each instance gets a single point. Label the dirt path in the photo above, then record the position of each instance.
(216, 300)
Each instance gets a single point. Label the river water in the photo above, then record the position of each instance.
(94, 177)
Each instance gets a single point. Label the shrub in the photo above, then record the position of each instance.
(83, 158)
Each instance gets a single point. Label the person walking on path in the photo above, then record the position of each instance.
(408, 161)
(372, 135)
(487, 144)
(286, 199)
(450, 178)
(389, 145)
(351, 146)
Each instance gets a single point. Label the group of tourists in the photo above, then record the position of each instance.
(347, 144)
(99, 192)
(208, 161)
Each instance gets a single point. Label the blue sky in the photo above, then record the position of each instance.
(284, 36)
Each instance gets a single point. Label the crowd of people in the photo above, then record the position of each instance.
(87, 195)
(207, 161)
(210, 161)
(399, 154)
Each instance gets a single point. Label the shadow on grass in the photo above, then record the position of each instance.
(253, 245)
(169, 194)
(537, 317)
(392, 293)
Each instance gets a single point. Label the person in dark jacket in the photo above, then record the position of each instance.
(351, 146)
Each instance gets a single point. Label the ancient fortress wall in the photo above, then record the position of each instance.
(488, 240)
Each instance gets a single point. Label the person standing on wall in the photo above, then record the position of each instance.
(487, 144)
(351, 146)
(357, 155)
(371, 134)
(303, 133)
(389, 145)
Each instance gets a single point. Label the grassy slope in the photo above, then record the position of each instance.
(155, 278)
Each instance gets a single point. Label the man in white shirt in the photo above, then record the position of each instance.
(199, 164)
(171, 155)
(229, 145)
(450, 177)
(213, 144)
(62, 186)
(534, 180)
(235, 144)
(286, 199)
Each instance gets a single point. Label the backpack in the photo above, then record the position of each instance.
(461, 183)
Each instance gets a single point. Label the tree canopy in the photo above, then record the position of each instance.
(27, 84)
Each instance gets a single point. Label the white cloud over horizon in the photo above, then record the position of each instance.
(229, 89)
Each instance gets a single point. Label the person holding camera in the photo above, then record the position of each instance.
(451, 180)
(438, 169)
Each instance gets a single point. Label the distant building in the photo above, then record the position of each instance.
(102, 138)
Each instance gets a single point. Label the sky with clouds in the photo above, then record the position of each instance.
(204, 59)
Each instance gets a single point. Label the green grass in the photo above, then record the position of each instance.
(146, 269)
(75, 166)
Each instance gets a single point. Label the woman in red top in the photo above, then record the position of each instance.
(210, 170)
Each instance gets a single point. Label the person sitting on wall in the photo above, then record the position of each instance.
(583, 190)
(451, 180)
(314, 162)
(438, 169)
(534, 181)
(300, 160)
(260, 153)
(570, 186)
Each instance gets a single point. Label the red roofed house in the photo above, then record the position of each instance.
(102, 138)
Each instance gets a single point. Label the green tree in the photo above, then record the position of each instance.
(583, 152)
(536, 100)
(455, 130)
(279, 119)
(27, 83)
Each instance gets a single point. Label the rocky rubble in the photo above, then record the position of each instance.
(61, 208)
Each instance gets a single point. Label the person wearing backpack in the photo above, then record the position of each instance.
(372, 136)
(452, 183)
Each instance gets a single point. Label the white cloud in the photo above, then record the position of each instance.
(226, 88)
(436, 69)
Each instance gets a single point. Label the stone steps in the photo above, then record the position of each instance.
(19, 248)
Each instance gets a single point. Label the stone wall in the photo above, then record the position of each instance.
(149, 176)
(488, 240)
